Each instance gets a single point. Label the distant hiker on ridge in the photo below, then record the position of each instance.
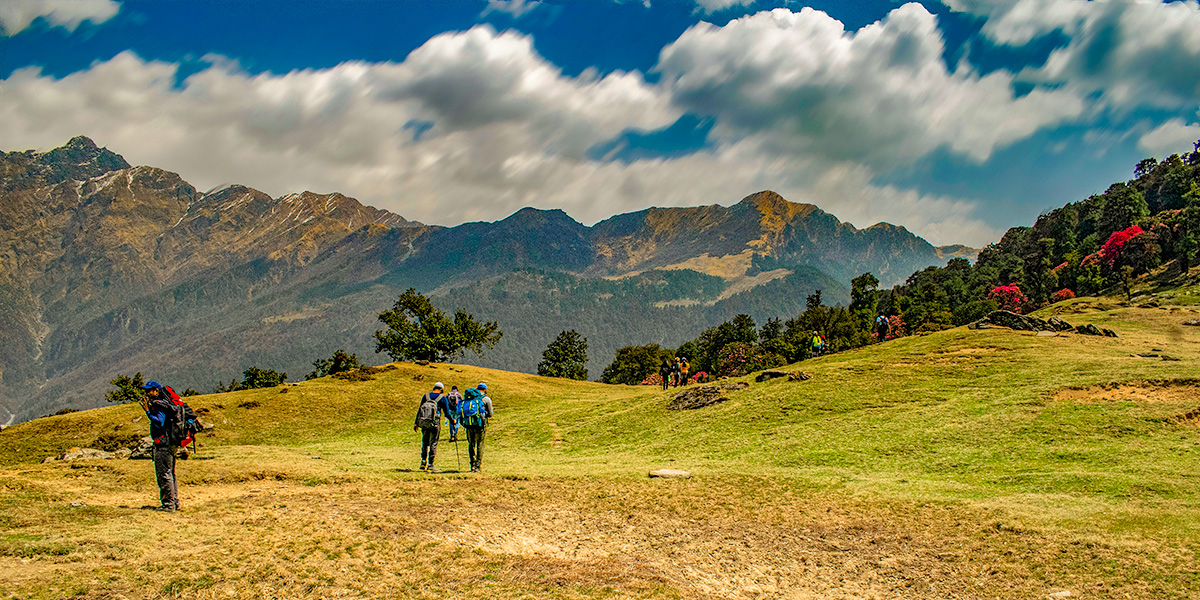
(684, 367)
(473, 413)
(664, 372)
(429, 422)
(881, 327)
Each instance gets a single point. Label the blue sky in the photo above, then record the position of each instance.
(955, 119)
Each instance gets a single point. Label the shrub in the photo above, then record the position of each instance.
(1111, 250)
(1063, 294)
(1009, 297)
(740, 358)
(340, 362)
(653, 379)
(896, 327)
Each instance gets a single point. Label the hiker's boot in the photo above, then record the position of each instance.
(422, 467)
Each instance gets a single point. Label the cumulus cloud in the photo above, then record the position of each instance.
(516, 8)
(1133, 53)
(1174, 136)
(799, 83)
(16, 15)
(712, 6)
(475, 125)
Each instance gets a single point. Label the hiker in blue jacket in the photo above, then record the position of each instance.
(429, 422)
(473, 413)
(158, 409)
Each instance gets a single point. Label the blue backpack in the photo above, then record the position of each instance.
(470, 409)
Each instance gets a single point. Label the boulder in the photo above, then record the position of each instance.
(799, 376)
(770, 374)
(1059, 324)
(85, 454)
(1091, 329)
(735, 385)
(670, 473)
(144, 450)
(1011, 320)
(1192, 322)
(699, 397)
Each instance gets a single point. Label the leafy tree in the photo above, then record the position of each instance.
(864, 297)
(632, 364)
(340, 362)
(1123, 206)
(419, 331)
(771, 330)
(129, 389)
(565, 357)
(190, 392)
(254, 378)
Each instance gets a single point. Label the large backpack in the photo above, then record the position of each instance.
(427, 413)
(470, 409)
(182, 424)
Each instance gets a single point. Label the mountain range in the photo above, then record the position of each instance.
(108, 268)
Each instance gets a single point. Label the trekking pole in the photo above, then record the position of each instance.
(456, 456)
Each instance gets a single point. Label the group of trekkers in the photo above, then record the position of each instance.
(674, 374)
(471, 411)
(173, 425)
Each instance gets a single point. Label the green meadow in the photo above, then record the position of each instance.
(960, 464)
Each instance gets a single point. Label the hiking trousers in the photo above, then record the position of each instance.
(429, 441)
(475, 445)
(164, 472)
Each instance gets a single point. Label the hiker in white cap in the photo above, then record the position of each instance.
(429, 421)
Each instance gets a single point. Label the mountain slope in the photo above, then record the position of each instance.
(109, 268)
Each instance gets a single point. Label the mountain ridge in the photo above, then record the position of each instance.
(114, 268)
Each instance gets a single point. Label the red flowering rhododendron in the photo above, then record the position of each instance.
(1059, 267)
(1063, 294)
(1111, 249)
(653, 379)
(896, 327)
(1009, 297)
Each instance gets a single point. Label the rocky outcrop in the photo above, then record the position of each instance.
(670, 473)
(708, 395)
(776, 374)
(1011, 320)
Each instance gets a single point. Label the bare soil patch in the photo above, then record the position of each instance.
(1142, 392)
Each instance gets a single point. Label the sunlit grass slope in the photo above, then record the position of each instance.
(1066, 435)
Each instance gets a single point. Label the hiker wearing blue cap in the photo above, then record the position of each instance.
(158, 406)
(473, 413)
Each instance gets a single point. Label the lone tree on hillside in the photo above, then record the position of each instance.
(129, 389)
(565, 357)
(418, 331)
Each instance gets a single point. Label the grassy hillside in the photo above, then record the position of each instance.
(961, 464)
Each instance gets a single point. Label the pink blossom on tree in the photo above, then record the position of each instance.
(1009, 297)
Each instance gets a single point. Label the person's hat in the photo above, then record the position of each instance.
(483, 386)
(439, 386)
(151, 385)
(454, 387)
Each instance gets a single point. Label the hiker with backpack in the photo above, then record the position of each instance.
(172, 424)
(452, 400)
(473, 413)
(429, 423)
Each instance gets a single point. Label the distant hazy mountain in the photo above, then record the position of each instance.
(107, 268)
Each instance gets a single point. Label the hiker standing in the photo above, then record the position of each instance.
(881, 327)
(676, 371)
(452, 400)
(684, 367)
(473, 413)
(159, 410)
(664, 372)
(429, 422)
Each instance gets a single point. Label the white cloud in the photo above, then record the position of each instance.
(516, 8)
(799, 83)
(1134, 52)
(500, 129)
(1173, 137)
(16, 15)
(712, 6)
